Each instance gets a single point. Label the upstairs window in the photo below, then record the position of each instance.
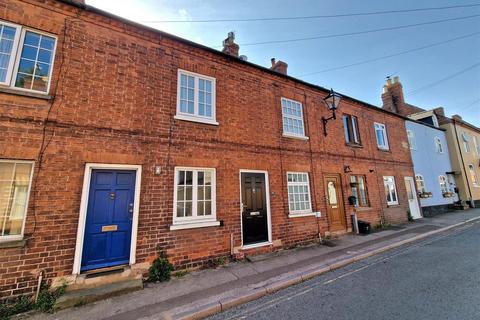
(292, 117)
(465, 142)
(196, 97)
(420, 183)
(381, 134)
(411, 140)
(15, 182)
(26, 57)
(476, 144)
(438, 145)
(350, 126)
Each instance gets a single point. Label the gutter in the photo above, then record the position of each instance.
(109, 15)
(463, 164)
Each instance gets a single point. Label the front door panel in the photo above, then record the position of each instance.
(108, 228)
(334, 196)
(254, 208)
(412, 198)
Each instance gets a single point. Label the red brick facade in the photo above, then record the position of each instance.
(113, 100)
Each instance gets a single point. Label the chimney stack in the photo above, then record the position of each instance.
(229, 45)
(279, 66)
(392, 95)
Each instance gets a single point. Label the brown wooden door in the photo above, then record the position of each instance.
(335, 209)
(254, 208)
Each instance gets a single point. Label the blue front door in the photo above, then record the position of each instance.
(108, 228)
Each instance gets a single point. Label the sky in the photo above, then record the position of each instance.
(446, 75)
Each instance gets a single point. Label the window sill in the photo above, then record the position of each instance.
(298, 215)
(256, 245)
(194, 225)
(363, 208)
(383, 150)
(390, 205)
(13, 243)
(286, 135)
(196, 119)
(353, 145)
(25, 93)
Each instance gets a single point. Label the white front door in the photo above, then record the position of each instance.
(412, 198)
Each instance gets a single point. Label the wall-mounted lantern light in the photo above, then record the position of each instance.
(332, 101)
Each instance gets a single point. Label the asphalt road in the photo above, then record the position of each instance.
(438, 278)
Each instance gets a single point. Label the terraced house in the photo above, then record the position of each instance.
(118, 140)
(461, 140)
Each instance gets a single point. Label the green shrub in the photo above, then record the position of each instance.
(22, 304)
(161, 269)
(46, 298)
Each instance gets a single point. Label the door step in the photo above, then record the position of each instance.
(105, 271)
(80, 297)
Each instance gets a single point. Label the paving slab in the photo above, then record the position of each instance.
(205, 292)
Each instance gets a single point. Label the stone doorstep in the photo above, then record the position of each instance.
(83, 296)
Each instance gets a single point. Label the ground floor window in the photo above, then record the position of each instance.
(390, 190)
(442, 180)
(473, 174)
(15, 182)
(359, 190)
(194, 195)
(298, 193)
(420, 183)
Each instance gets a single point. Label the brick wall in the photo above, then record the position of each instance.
(113, 100)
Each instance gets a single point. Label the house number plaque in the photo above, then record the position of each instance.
(112, 227)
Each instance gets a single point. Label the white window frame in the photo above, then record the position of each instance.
(195, 117)
(383, 128)
(473, 175)
(394, 187)
(438, 145)
(291, 134)
(195, 221)
(16, 55)
(21, 235)
(296, 213)
(420, 177)
(466, 146)
(412, 142)
(445, 181)
(477, 145)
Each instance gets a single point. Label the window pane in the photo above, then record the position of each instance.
(200, 193)
(180, 209)
(200, 178)
(208, 178)
(44, 56)
(23, 81)
(181, 177)
(26, 66)
(200, 208)
(208, 193)
(32, 38)
(47, 43)
(29, 52)
(8, 32)
(188, 209)
(189, 178)
(180, 193)
(188, 193)
(208, 208)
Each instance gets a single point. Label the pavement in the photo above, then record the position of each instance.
(432, 279)
(203, 293)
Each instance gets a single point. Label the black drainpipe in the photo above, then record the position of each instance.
(472, 202)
